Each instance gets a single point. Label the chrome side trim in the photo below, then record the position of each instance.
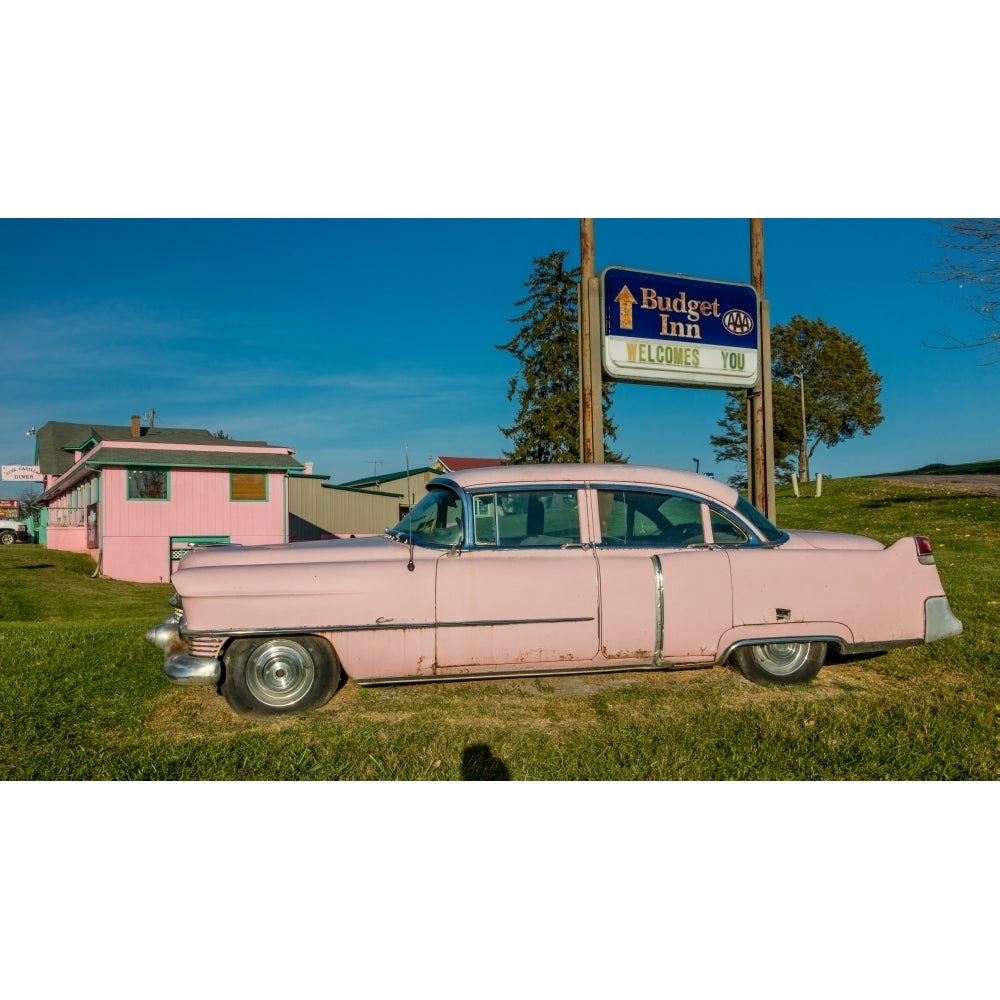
(516, 621)
(505, 674)
(380, 626)
(301, 629)
(660, 611)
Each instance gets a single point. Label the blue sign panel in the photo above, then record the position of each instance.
(675, 330)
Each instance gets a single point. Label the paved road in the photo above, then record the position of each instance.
(989, 484)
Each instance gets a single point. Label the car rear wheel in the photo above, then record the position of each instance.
(780, 662)
(280, 675)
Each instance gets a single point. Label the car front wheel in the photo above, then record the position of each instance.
(281, 675)
(780, 662)
(7, 538)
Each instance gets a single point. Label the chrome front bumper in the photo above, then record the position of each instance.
(178, 664)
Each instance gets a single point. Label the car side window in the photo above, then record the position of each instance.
(636, 518)
(725, 531)
(527, 518)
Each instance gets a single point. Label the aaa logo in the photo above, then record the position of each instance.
(738, 322)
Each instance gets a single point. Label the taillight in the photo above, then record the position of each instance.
(925, 551)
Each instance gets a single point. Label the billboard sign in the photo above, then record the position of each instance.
(670, 329)
(21, 474)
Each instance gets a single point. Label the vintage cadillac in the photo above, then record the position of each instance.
(544, 569)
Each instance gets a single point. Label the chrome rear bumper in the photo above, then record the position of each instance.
(939, 620)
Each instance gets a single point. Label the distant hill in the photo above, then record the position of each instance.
(938, 469)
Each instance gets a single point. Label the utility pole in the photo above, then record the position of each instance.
(760, 420)
(804, 446)
(591, 376)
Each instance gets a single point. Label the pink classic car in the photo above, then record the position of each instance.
(544, 569)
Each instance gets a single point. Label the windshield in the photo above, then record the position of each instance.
(764, 527)
(435, 522)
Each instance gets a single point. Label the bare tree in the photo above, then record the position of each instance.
(28, 500)
(972, 262)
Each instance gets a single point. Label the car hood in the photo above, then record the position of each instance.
(829, 540)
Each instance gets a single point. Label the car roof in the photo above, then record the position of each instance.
(568, 472)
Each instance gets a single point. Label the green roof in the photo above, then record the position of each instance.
(56, 441)
(181, 459)
(390, 477)
(174, 458)
(355, 489)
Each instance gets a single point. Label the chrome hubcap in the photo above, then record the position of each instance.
(280, 673)
(781, 658)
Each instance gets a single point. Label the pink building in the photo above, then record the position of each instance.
(136, 498)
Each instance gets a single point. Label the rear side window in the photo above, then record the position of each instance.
(726, 531)
(760, 523)
(638, 519)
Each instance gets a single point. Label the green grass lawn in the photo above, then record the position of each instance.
(82, 696)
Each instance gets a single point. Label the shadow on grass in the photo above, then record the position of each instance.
(834, 655)
(480, 764)
(923, 498)
(37, 566)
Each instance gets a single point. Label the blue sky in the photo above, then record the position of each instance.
(353, 339)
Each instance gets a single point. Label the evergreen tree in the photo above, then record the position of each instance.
(547, 387)
(841, 396)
